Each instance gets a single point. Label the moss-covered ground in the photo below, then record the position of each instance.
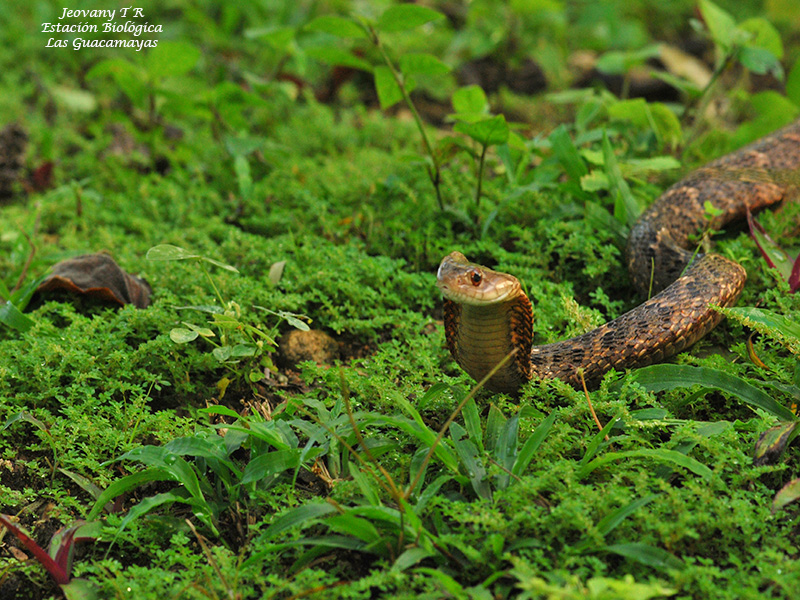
(239, 140)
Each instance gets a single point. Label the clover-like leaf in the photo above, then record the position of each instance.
(488, 132)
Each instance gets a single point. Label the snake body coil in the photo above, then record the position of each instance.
(486, 314)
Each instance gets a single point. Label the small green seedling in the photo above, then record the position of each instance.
(241, 347)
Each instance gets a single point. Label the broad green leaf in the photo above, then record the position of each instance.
(222, 353)
(505, 448)
(431, 395)
(649, 115)
(658, 378)
(616, 62)
(242, 350)
(212, 447)
(487, 132)
(793, 84)
(366, 484)
(218, 409)
(761, 62)
(531, 445)
(402, 17)
(277, 434)
(150, 503)
(389, 92)
(787, 494)
(80, 589)
(298, 516)
(764, 36)
(626, 210)
(352, 525)
(171, 58)
(411, 557)
(280, 38)
(204, 331)
(292, 320)
(27, 417)
(653, 163)
(646, 555)
(243, 144)
(494, 425)
(430, 491)
(181, 335)
(659, 454)
(475, 470)
(125, 484)
(470, 99)
(270, 464)
(244, 179)
(421, 63)
(608, 523)
(567, 154)
(769, 323)
(594, 181)
(472, 422)
(336, 25)
(12, 317)
(176, 467)
(419, 430)
(87, 485)
(130, 78)
(598, 439)
(720, 23)
(334, 55)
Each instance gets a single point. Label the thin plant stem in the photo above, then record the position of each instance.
(697, 104)
(367, 466)
(346, 399)
(452, 418)
(433, 172)
(480, 176)
(213, 285)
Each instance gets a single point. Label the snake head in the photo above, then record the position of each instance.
(467, 283)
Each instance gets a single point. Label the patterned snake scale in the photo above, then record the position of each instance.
(486, 314)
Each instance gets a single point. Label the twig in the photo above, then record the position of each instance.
(589, 402)
(452, 418)
(211, 560)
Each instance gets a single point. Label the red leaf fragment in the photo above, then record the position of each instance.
(776, 257)
(42, 176)
(56, 571)
(98, 276)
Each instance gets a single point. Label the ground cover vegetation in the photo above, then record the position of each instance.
(279, 166)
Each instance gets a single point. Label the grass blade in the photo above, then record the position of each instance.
(658, 378)
(532, 444)
(659, 454)
(647, 555)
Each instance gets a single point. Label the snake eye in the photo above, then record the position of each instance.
(475, 277)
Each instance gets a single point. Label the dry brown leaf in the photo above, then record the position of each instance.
(97, 276)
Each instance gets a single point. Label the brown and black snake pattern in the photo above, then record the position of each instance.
(680, 312)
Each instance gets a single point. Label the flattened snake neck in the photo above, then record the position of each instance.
(486, 313)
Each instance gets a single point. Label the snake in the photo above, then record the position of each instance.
(488, 316)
